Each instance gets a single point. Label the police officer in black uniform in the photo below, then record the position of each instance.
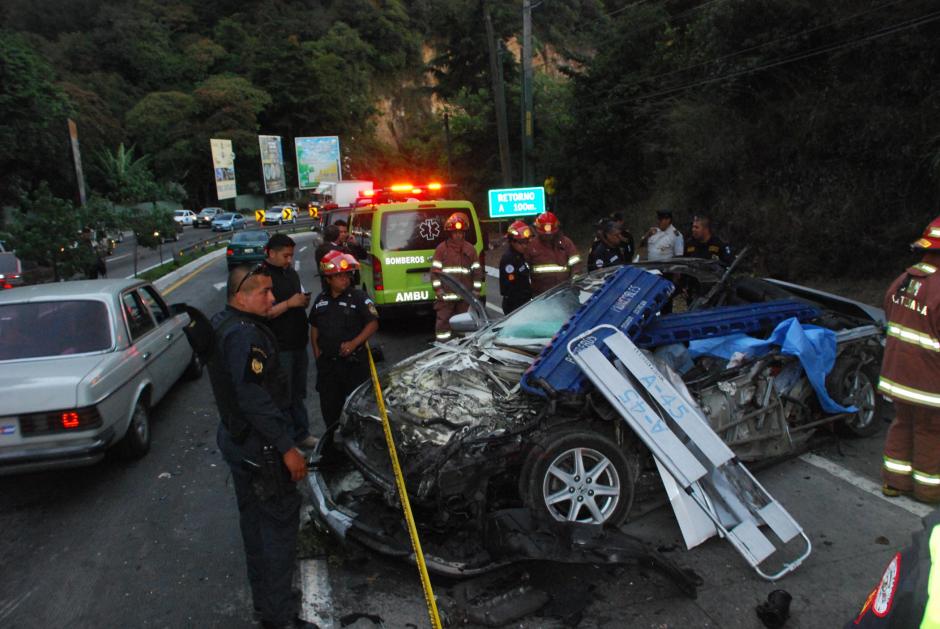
(256, 440)
(704, 244)
(515, 285)
(341, 321)
(609, 249)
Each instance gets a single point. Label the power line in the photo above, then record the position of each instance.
(900, 26)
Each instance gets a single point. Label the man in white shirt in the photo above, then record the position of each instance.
(663, 241)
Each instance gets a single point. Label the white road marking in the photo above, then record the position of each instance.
(316, 603)
(116, 258)
(492, 271)
(219, 285)
(870, 487)
(8, 607)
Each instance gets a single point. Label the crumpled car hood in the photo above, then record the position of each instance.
(451, 387)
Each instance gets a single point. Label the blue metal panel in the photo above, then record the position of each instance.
(701, 324)
(629, 299)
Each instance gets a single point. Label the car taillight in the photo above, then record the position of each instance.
(377, 274)
(229, 252)
(60, 421)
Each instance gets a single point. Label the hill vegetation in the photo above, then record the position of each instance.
(809, 130)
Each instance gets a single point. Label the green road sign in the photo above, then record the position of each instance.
(510, 202)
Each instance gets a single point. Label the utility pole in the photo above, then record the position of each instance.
(499, 99)
(527, 140)
(450, 157)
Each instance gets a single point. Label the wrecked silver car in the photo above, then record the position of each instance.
(489, 462)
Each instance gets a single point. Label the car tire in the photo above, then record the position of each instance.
(554, 487)
(194, 368)
(856, 384)
(136, 441)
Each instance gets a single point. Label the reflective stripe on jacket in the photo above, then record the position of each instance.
(459, 260)
(551, 263)
(910, 370)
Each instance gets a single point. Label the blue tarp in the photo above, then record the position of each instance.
(815, 347)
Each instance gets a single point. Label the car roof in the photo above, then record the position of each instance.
(250, 233)
(81, 289)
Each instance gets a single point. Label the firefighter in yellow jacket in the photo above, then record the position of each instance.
(457, 258)
(551, 255)
(910, 375)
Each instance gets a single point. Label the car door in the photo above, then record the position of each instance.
(141, 330)
(176, 351)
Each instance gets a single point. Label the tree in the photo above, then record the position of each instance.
(124, 179)
(33, 113)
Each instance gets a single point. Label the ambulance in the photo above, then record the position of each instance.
(398, 228)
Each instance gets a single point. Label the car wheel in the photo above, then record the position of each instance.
(136, 441)
(856, 384)
(194, 368)
(579, 476)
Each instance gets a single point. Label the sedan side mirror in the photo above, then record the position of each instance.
(463, 322)
(178, 309)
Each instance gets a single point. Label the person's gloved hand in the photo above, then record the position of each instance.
(294, 460)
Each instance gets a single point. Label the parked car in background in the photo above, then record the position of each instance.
(173, 236)
(246, 247)
(279, 214)
(228, 222)
(82, 364)
(206, 216)
(11, 271)
(184, 217)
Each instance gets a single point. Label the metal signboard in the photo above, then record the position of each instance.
(511, 202)
(272, 163)
(318, 160)
(223, 163)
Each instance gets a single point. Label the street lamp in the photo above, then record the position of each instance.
(156, 235)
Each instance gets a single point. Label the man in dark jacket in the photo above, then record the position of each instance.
(256, 440)
(289, 324)
(515, 284)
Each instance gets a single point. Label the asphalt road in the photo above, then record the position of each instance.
(121, 261)
(155, 543)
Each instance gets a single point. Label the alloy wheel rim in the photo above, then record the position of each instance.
(581, 485)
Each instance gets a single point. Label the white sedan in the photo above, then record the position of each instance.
(81, 366)
(184, 217)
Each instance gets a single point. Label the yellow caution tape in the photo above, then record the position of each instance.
(403, 496)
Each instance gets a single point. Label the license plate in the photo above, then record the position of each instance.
(9, 430)
(249, 250)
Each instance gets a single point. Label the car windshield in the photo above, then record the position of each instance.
(223, 217)
(53, 328)
(252, 237)
(208, 211)
(537, 321)
(180, 212)
(8, 264)
(417, 230)
(276, 208)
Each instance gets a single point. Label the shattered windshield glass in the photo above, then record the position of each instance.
(542, 317)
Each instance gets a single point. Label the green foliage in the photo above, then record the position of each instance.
(47, 230)
(149, 226)
(33, 113)
(124, 179)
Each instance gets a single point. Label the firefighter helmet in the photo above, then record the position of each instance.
(546, 223)
(457, 222)
(519, 230)
(931, 238)
(337, 262)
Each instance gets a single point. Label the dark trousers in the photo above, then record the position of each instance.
(511, 302)
(295, 363)
(336, 379)
(269, 532)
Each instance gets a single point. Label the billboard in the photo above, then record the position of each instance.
(223, 163)
(272, 163)
(317, 160)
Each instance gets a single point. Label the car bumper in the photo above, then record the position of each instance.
(50, 456)
(249, 259)
(347, 524)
